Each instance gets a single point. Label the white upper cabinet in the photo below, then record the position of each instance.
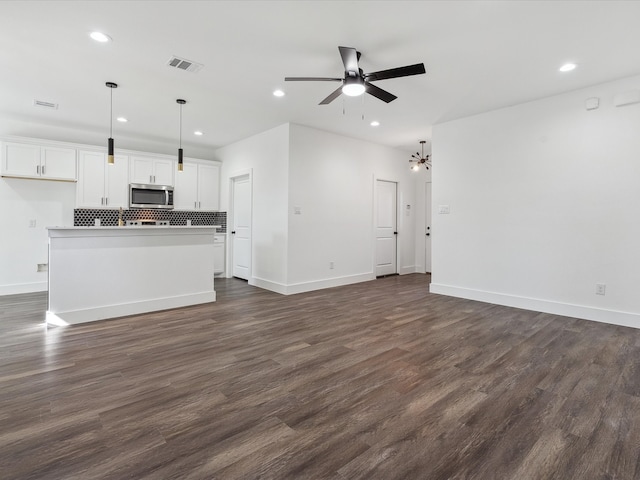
(101, 185)
(197, 187)
(38, 161)
(149, 170)
(185, 193)
(208, 187)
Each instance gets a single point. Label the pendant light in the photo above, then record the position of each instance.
(420, 159)
(110, 158)
(181, 103)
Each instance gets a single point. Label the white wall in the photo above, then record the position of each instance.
(22, 247)
(267, 156)
(545, 203)
(332, 180)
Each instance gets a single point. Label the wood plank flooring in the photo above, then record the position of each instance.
(378, 380)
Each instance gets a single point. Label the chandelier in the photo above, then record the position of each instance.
(418, 159)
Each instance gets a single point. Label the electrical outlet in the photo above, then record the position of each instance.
(43, 267)
(32, 224)
(331, 265)
(601, 288)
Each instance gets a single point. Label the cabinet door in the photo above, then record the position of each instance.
(141, 169)
(58, 163)
(19, 160)
(218, 257)
(185, 194)
(163, 171)
(117, 183)
(209, 187)
(90, 188)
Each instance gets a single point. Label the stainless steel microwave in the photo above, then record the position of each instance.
(150, 196)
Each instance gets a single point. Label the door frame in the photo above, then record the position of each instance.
(428, 215)
(229, 259)
(399, 220)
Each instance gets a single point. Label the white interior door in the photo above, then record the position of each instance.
(427, 226)
(386, 225)
(241, 228)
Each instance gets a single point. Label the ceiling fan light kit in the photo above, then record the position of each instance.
(353, 86)
(356, 82)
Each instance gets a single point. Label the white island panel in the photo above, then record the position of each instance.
(104, 272)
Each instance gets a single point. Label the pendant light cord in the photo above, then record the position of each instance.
(111, 116)
(180, 125)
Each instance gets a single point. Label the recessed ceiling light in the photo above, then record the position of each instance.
(278, 93)
(567, 67)
(198, 132)
(122, 119)
(375, 123)
(100, 37)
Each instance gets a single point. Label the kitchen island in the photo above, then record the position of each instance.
(97, 273)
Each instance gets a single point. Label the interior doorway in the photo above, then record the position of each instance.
(241, 226)
(386, 228)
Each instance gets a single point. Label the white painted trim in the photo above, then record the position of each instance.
(134, 308)
(409, 269)
(311, 286)
(245, 172)
(399, 217)
(626, 319)
(17, 288)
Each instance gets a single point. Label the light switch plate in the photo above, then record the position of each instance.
(443, 209)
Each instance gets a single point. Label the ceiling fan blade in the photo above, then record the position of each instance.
(407, 71)
(349, 58)
(335, 94)
(380, 93)
(311, 79)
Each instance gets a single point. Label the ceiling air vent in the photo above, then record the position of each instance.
(184, 64)
(43, 104)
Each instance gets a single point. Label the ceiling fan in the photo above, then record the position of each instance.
(355, 82)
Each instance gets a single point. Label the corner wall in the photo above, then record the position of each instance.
(266, 155)
(544, 202)
(332, 180)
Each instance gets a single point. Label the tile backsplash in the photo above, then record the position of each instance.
(85, 217)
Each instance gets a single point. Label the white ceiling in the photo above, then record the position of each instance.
(479, 56)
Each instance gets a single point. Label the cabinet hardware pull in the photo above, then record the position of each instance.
(43, 169)
(38, 169)
(106, 200)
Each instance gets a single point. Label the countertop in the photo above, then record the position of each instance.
(137, 227)
(131, 231)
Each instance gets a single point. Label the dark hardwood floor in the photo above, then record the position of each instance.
(378, 380)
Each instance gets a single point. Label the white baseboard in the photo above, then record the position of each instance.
(134, 308)
(23, 288)
(302, 287)
(408, 270)
(268, 285)
(625, 319)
